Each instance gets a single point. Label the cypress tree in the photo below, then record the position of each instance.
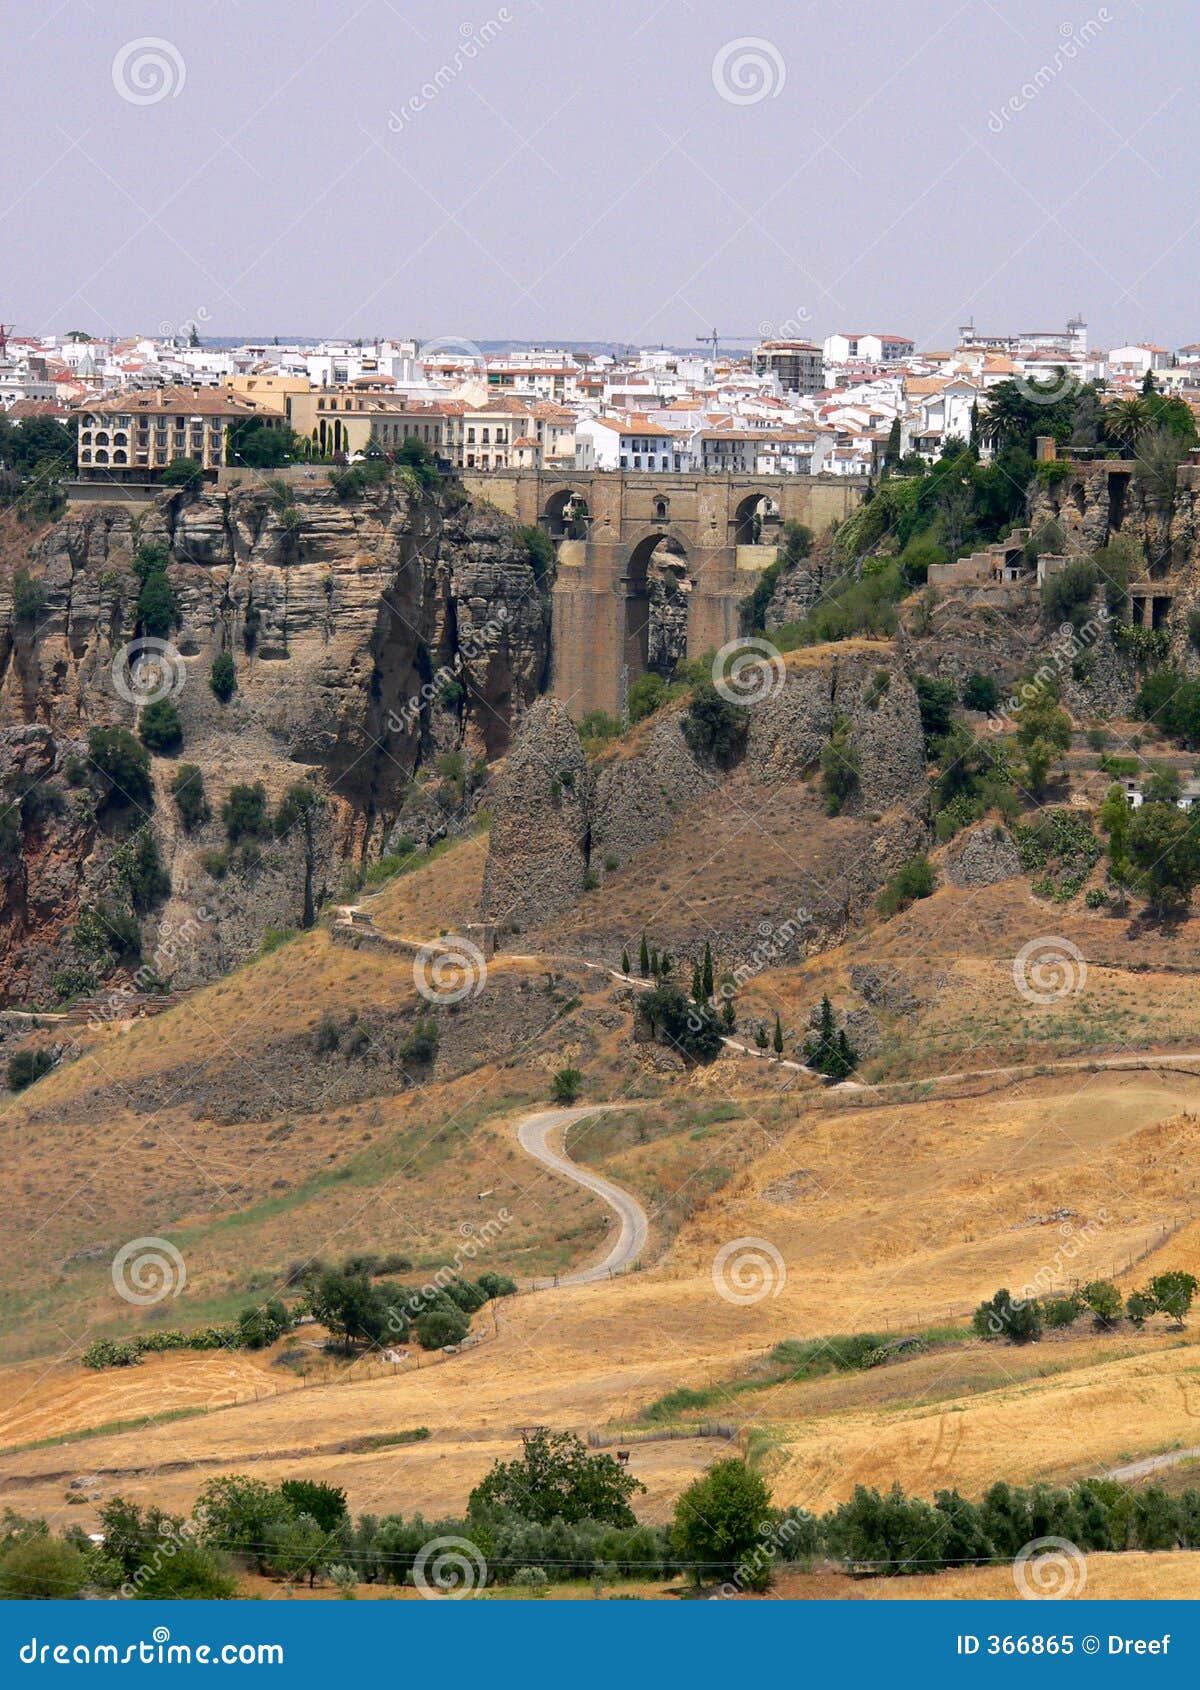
(708, 970)
(728, 1013)
(697, 984)
(624, 962)
(777, 1041)
(644, 959)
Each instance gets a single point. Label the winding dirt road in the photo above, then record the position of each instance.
(534, 1134)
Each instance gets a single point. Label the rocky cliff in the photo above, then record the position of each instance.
(381, 644)
(652, 812)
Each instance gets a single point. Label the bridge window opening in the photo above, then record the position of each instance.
(566, 515)
(756, 521)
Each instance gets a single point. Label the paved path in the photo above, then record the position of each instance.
(1151, 1464)
(534, 1133)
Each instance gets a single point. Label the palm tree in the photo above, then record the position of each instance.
(1126, 421)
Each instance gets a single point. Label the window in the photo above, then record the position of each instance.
(470, 437)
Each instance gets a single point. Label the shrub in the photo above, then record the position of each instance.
(244, 813)
(157, 610)
(713, 727)
(980, 692)
(719, 1524)
(1104, 1300)
(182, 472)
(839, 768)
(141, 873)
(1002, 1317)
(1061, 1311)
(27, 595)
(159, 727)
(440, 1326)
(42, 1567)
(222, 677)
(691, 1028)
(914, 879)
(421, 1045)
(1173, 1293)
(566, 1085)
(123, 764)
(539, 550)
(935, 700)
(103, 933)
(1139, 1306)
(187, 789)
(645, 696)
(26, 1066)
(1067, 593)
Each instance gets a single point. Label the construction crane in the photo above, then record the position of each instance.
(714, 340)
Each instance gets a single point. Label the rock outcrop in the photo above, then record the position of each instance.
(375, 638)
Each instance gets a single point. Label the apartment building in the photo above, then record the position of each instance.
(134, 436)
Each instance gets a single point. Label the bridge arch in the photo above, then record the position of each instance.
(756, 518)
(656, 585)
(565, 514)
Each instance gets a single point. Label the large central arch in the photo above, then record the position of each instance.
(642, 606)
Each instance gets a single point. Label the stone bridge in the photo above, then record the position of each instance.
(652, 567)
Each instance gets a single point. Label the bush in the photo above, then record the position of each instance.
(440, 1326)
(244, 813)
(645, 696)
(27, 595)
(187, 789)
(719, 1525)
(222, 677)
(839, 768)
(539, 550)
(139, 870)
(914, 879)
(935, 700)
(1061, 1311)
(26, 1066)
(566, 1085)
(42, 1567)
(980, 692)
(421, 1045)
(182, 472)
(713, 727)
(103, 933)
(1067, 593)
(1104, 1300)
(123, 764)
(160, 728)
(157, 610)
(690, 1028)
(1001, 1317)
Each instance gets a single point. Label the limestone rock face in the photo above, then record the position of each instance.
(370, 636)
(982, 855)
(637, 799)
(538, 847)
(879, 705)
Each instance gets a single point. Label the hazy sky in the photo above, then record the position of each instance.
(618, 171)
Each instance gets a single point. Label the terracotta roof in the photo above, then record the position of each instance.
(191, 401)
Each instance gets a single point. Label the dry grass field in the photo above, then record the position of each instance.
(216, 1126)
